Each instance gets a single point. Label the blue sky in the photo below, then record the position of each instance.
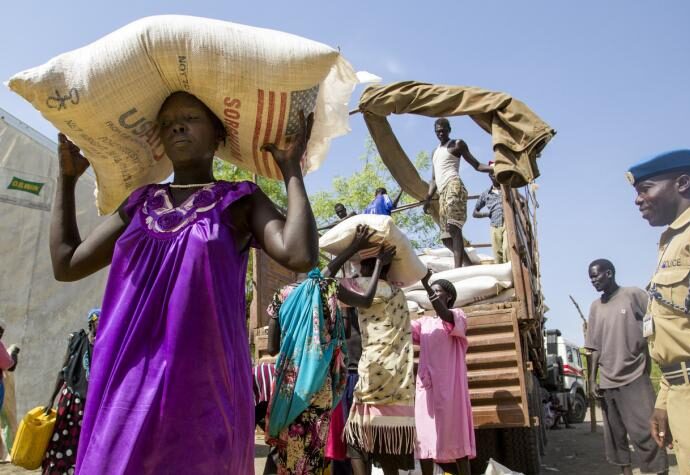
(612, 77)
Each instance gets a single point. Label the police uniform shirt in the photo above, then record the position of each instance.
(670, 342)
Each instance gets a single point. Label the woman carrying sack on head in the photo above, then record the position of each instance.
(307, 329)
(72, 385)
(171, 383)
(380, 426)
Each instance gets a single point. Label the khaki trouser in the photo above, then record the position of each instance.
(499, 244)
(677, 404)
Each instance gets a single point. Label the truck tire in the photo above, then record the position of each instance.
(522, 450)
(578, 409)
(487, 447)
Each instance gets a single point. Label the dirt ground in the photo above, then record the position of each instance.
(579, 451)
(569, 452)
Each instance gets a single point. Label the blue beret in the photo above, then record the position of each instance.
(664, 163)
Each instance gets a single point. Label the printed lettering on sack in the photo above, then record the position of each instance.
(139, 126)
(183, 69)
(231, 119)
(60, 101)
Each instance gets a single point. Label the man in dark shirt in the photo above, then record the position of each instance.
(341, 213)
(492, 199)
(619, 355)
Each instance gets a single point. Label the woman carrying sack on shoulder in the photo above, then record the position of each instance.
(178, 256)
(307, 329)
(443, 414)
(72, 385)
(380, 426)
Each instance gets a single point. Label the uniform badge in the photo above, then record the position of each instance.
(630, 177)
(647, 326)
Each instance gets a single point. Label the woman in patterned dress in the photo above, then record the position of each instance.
(71, 384)
(380, 426)
(300, 445)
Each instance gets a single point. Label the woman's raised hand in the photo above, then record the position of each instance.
(386, 254)
(296, 144)
(72, 162)
(362, 236)
(425, 279)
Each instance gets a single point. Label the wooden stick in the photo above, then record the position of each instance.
(592, 402)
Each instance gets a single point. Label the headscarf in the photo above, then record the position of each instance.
(93, 315)
(306, 354)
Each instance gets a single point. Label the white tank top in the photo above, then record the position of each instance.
(446, 166)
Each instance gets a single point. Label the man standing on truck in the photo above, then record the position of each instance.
(663, 196)
(382, 204)
(619, 355)
(492, 199)
(445, 176)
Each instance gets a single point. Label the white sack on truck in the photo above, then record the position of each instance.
(406, 267)
(106, 95)
(438, 260)
(473, 290)
(501, 272)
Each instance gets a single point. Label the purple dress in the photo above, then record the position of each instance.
(170, 389)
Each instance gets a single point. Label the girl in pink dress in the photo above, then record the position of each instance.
(443, 414)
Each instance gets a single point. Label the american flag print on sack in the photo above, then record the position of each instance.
(276, 120)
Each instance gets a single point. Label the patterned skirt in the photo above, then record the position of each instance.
(301, 445)
(61, 455)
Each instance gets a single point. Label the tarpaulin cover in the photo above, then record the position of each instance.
(518, 134)
(39, 312)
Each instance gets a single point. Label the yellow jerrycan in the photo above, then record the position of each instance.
(33, 436)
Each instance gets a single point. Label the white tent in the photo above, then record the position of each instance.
(39, 311)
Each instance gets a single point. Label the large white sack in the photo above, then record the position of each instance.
(406, 267)
(473, 290)
(501, 272)
(438, 252)
(106, 95)
(441, 259)
(505, 296)
(437, 264)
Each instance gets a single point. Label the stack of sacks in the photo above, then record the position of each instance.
(441, 259)
(486, 284)
(106, 95)
(406, 268)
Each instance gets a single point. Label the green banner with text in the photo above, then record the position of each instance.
(33, 187)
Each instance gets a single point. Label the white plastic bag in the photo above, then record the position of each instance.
(106, 95)
(495, 468)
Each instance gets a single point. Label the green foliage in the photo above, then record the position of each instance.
(274, 189)
(357, 190)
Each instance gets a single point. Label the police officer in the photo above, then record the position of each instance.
(663, 196)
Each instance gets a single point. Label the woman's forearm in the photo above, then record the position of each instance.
(300, 238)
(374, 282)
(339, 261)
(439, 307)
(64, 232)
(273, 337)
